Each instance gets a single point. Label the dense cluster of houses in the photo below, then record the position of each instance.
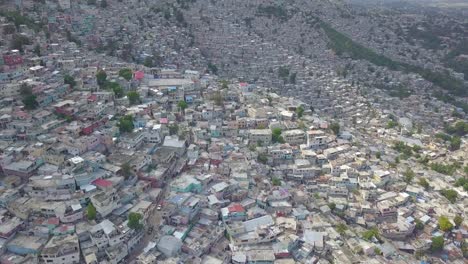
(199, 169)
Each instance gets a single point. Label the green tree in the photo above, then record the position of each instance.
(378, 155)
(126, 73)
(218, 98)
(126, 170)
(91, 211)
(409, 175)
(455, 143)
(419, 224)
(103, 3)
(101, 77)
(118, 91)
(67, 79)
(332, 206)
(424, 183)
(451, 195)
(134, 221)
(30, 102)
(148, 62)
(458, 220)
(445, 224)
(276, 181)
(182, 105)
(133, 97)
(437, 244)
(300, 111)
(335, 127)
(91, 2)
(262, 158)
(276, 135)
(369, 234)
(212, 68)
(341, 228)
(224, 84)
(126, 124)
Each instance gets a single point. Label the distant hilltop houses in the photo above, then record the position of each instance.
(180, 134)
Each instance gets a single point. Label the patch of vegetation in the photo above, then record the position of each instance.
(134, 221)
(371, 233)
(273, 11)
(447, 169)
(445, 224)
(276, 135)
(460, 129)
(342, 45)
(126, 73)
(276, 181)
(126, 124)
(451, 195)
(452, 60)
(437, 244)
(335, 127)
(429, 40)
(462, 182)
(67, 79)
(16, 18)
(133, 97)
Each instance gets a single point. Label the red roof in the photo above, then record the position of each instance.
(243, 84)
(139, 75)
(92, 97)
(163, 120)
(102, 183)
(53, 221)
(236, 208)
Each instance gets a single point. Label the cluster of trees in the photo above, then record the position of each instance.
(127, 74)
(406, 150)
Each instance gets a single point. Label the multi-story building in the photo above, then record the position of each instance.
(61, 250)
(294, 137)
